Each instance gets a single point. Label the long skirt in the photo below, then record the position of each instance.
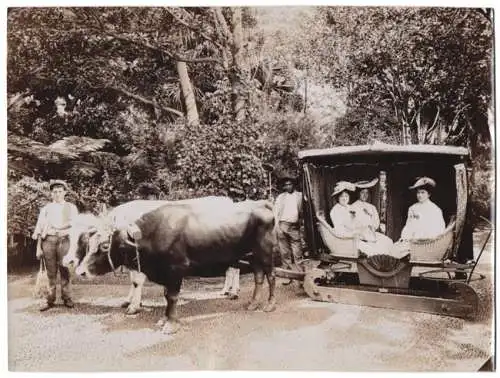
(382, 245)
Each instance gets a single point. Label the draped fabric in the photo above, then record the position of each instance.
(461, 183)
(399, 176)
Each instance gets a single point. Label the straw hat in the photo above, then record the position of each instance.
(426, 182)
(342, 186)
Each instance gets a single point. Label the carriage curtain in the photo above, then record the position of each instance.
(461, 182)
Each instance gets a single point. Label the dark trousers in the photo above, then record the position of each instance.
(289, 243)
(54, 248)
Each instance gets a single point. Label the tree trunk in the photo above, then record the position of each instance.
(238, 69)
(193, 118)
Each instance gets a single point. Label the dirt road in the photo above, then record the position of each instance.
(220, 334)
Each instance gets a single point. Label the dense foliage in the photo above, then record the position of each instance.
(193, 101)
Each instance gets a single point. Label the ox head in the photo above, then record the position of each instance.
(88, 233)
(107, 256)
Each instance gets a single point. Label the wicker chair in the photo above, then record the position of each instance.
(434, 250)
(342, 247)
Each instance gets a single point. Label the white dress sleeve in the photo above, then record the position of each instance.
(440, 225)
(407, 231)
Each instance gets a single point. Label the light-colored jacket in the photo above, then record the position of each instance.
(279, 205)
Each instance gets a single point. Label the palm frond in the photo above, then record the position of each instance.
(77, 145)
(28, 148)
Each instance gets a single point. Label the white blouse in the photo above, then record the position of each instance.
(366, 214)
(343, 220)
(425, 221)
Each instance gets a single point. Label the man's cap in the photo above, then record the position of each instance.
(342, 186)
(423, 182)
(62, 183)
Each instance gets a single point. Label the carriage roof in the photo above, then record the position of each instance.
(382, 149)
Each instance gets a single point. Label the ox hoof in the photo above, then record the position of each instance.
(252, 306)
(132, 311)
(125, 304)
(232, 296)
(269, 307)
(160, 323)
(170, 327)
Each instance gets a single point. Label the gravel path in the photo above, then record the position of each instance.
(219, 334)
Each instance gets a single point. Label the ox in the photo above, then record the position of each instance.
(173, 238)
(88, 232)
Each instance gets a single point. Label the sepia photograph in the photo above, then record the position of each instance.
(250, 188)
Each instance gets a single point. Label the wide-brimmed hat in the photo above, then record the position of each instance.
(426, 182)
(62, 183)
(342, 186)
(366, 184)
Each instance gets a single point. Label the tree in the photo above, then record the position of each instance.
(418, 63)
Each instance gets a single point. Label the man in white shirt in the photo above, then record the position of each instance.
(287, 214)
(52, 229)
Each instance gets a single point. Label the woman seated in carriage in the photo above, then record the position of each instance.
(359, 220)
(425, 219)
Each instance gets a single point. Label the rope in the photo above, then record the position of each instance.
(138, 258)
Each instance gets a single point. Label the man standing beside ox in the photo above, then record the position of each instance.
(288, 214)
(52, 229)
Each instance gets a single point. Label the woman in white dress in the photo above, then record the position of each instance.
(342, 215)
(425, 219)
(367, 223)
(359, 220)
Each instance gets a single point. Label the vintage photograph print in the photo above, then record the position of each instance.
(250, 188)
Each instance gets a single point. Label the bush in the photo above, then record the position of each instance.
(225, 158)
(482, 193)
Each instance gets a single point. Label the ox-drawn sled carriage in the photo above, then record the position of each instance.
(434, 275)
